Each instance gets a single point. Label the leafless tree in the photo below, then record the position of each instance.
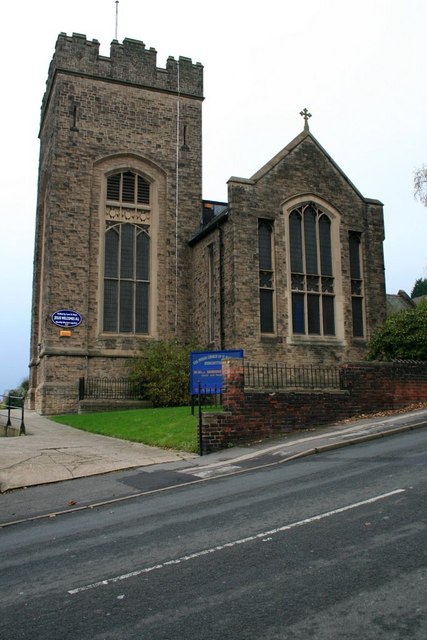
(420, 185)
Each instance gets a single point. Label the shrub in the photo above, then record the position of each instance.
(163, 367)
(402, 337)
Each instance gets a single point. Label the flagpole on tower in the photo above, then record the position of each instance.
(117, 19)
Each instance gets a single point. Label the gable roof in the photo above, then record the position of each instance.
(399, 301)
(286, 151)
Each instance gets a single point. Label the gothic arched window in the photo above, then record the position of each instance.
(312, 278)
(127, 254)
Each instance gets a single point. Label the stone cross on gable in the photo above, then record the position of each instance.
(306, 115)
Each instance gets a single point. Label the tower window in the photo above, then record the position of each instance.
(128, 187)
(126, 279)
(127, 254)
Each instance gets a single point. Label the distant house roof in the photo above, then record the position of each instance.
(399, 302)
(418, 299)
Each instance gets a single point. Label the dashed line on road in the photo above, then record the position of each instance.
(233, 543)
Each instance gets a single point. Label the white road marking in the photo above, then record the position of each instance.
(233, 543)
(333, 432)
(210, 473)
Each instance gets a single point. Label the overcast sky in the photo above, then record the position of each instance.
(359, 67)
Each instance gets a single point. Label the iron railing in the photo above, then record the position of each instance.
(110, 389)
(12, 409)
(275, 376)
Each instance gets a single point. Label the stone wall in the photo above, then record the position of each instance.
(253, 414)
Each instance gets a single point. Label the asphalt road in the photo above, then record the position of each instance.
(332, 546)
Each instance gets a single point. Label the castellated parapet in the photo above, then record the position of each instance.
(129, 63)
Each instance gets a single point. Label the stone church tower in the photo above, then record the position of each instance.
(119, 194)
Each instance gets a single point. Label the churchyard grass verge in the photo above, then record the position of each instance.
(167, 427)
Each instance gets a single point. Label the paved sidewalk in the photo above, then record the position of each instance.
(52, 452)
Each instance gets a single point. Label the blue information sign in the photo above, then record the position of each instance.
(206, 369)
(66, 318)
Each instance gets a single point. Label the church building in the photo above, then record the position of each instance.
(290, 269)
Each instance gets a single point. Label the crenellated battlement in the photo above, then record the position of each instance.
(130, 63)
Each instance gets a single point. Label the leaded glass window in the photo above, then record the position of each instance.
(312, 278)
(354, 241)
(127, 254)
(211, 293)
(266, 276)
(126, 278)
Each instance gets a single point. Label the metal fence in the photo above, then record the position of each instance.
(110, 389)
(275, 376)
(12, 409)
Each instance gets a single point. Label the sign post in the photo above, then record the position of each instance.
(206, 378)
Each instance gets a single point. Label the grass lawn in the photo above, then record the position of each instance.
(169, 427)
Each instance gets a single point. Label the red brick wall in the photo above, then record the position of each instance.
(251, 414)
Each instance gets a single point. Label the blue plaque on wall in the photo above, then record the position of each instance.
(66, 318)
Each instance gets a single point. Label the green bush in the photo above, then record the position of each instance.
(402, 337)
(163, 367)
